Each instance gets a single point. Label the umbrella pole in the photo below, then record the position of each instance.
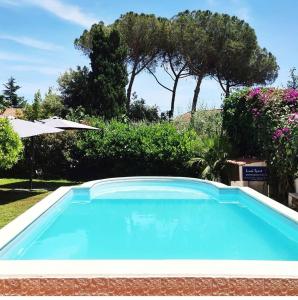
(31, 162)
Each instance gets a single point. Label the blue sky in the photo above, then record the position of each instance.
(36, 40)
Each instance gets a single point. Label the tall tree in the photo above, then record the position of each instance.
(140, 32)
(108, 76)
(74, 88)
(293, 82)
(240, 61)
(172, 60)
(10, 95)
(52, 104)
(197, 30)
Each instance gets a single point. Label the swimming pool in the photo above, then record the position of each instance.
(157, 219)
(148, 227)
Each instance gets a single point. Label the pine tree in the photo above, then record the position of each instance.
(10, 95)
(108, 76)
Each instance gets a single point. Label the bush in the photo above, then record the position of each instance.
(10, 145)
(120, 149)
(139, 111)
(206, 122)
(116, 149)
(263, 122)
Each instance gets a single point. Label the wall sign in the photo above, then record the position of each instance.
(254, 173)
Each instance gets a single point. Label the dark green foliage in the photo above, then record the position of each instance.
(139, 111)
(170, 57)
(262, 122)
(10, 94)
(120, 149)
(213, 153)
(117, 149)
(239, 59)
(74, 88)
(3, 103)
(48, 107)
(100, 91)
(239, 125)
(108, 76)
(141, 34)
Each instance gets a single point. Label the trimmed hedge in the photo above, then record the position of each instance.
(116, 149)
(125, 149)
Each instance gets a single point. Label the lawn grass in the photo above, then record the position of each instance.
(15, 199)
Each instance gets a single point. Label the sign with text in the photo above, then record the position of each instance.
(254, 173)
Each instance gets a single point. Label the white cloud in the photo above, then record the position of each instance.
(27, 41)
(64, 11)
(68, 12)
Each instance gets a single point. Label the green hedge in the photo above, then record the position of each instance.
(116, 149)
(125, 149)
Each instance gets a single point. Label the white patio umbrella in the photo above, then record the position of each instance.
(66, 124)
(30, 129)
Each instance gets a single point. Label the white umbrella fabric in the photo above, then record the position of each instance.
(27, 128)
(66, 124)
(30, 129)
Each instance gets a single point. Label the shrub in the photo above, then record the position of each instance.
(213, 154)
(116, 149)
(139, 111)
(263, 122)
(206, 122)
(10, 145)
(120, 149)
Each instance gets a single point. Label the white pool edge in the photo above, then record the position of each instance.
(140, 268)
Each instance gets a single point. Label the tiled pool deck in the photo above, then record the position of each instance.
(169, 286)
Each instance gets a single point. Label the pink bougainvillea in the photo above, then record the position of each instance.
(255, 92)
(293, 117)
(290, 95)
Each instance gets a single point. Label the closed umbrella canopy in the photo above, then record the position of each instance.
(66, 124)
(27, 129)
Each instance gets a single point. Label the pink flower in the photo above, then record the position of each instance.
(255, 112)
(281, 132)
(277, 134)
(286, 130)
(293, 117)
(254, 92)
(290, 96)
(265, 97)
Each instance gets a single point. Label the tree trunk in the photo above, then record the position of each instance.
(228, 89)
(196, 95)
(173, 97)
(129, 88)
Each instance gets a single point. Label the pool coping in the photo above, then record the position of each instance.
(140, 268)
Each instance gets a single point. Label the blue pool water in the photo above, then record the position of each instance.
(157, 219)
